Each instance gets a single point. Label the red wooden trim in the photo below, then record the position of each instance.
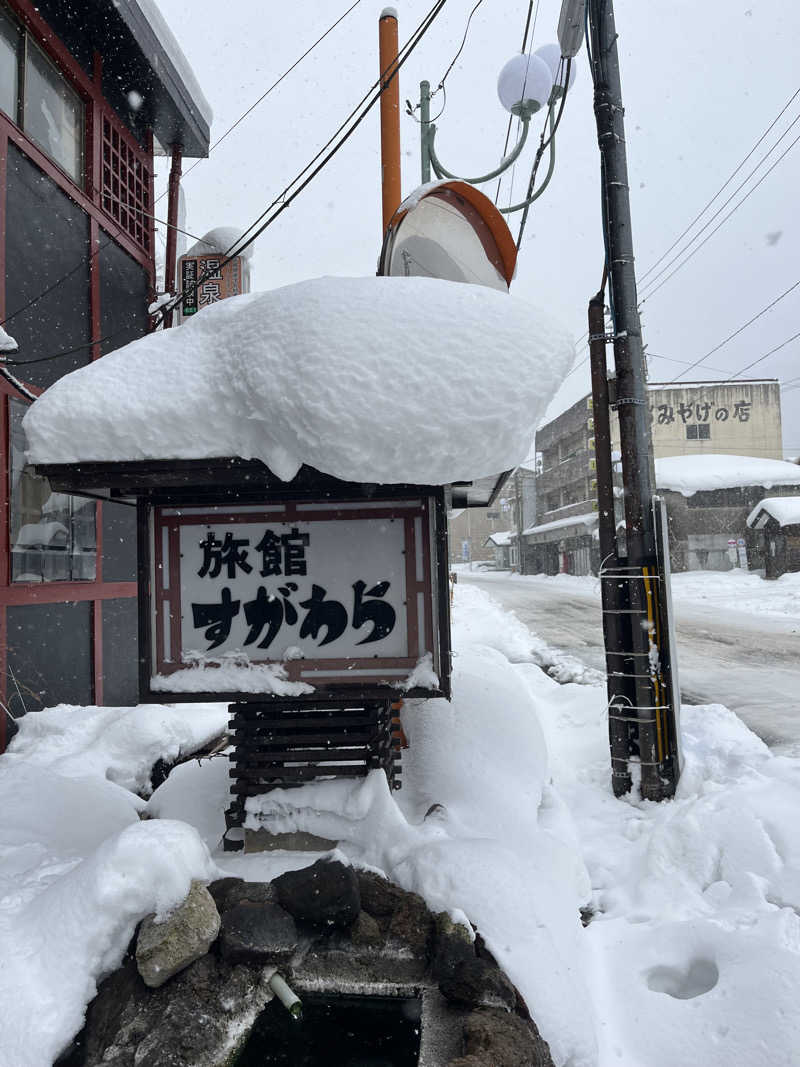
(66, 185)
(175, 620)
(7, 389)
(291, 514)
(47, 40)
(3, 678)
(5, 495)
(97, 651)
(94, 136)
(94, 286)
(172, 233)
(65, 592)
(3, 197)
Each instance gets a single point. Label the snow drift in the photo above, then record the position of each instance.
(367, 379)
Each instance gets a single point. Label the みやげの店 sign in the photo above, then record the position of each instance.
(342, 595)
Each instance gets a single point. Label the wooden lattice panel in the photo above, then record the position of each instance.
(125, 185)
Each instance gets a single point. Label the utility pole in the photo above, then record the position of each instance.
(390, 115)
(172, 232)
(643, 706)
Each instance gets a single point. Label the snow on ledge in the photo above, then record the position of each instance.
(691, 474)
(386, 380)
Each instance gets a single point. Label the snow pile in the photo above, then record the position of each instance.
(692, 474)
(117, 744)
(785, 510)
(78, 870)
(385, 380)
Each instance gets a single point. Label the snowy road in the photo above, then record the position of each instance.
(750, 663)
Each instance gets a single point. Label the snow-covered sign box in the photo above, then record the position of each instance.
(288, 598)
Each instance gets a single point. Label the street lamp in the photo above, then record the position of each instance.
(526, 84)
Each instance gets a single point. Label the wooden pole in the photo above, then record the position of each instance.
(390, 115)
(172, 222)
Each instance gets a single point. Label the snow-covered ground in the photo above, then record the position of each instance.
(743, 592)
(693, 951)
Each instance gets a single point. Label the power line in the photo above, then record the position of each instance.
(274, 85)
(736, 332)
(454, 60)
(119, 231)
(284, 199)
(353, 121)
(727, 182)
(722, 222)
(522, 51)
(771, 352)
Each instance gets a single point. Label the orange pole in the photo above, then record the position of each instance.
(390, 115)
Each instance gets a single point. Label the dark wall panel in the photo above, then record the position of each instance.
(119, 543)
(52, 244)
(49, 656)
(123, 297)
(120, 653)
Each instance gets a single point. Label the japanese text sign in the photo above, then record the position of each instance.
(215, 282)
(338, 594)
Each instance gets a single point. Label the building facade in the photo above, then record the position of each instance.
(87, 91)
(687, 419)
(469, 529)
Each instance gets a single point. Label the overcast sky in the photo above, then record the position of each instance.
(702, 80)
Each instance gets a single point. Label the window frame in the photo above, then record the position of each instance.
(31, 46)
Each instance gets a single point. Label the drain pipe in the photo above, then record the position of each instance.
(289, 999)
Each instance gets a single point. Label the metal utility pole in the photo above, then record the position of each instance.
(643, 706)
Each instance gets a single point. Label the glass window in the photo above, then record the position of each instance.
(9, 65)
(53, 535)
(53, 116)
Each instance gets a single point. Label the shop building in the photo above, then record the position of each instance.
(88, 93)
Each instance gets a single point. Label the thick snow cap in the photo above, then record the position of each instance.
(691, 474)
(367, 379)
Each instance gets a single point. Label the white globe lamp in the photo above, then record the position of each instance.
(524, 85)
(551, 54)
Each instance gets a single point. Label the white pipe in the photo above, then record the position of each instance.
(285, 995)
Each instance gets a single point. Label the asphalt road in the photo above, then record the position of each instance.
(750, 664)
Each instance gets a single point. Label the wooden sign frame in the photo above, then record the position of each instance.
(420, 511)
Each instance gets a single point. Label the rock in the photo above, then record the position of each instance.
(412, 924)
(164, 948)
(452, 943)
(365, 930)
(475, 982)
(198, 1020)
(250, 893)
(257, 933)
(325, 894)
(379, 896)
(494, 1038)
(219, 891)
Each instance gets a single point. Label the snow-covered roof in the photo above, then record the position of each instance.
(501, 539)
(220, 239)
(692, 474)
(589, 519)
(389, 380)
(785, 510)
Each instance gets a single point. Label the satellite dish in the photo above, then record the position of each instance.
(453, 231)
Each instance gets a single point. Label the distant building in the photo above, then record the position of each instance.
(505, 552)
(469, 529)
(688, 419)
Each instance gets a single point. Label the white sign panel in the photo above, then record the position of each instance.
(335, 588)
(336, 593)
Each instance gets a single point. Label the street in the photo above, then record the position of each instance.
(748, 663)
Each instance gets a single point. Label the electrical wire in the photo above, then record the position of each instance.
(346, 129)
(284, 199)
(771, 352)
(725, 184)
(511, 117)
(740, 329)
(274, 85)
(543, 145)
(119, 231)
(717, 213)
(454, 60)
